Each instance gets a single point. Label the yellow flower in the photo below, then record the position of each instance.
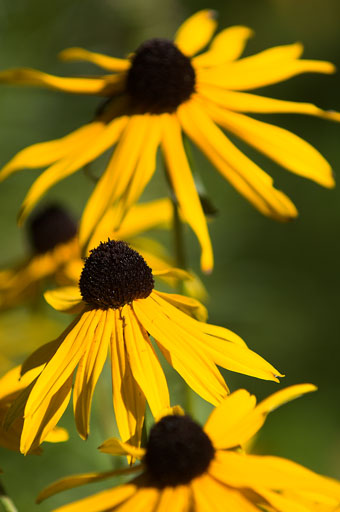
(186, 468)
(118, 308)
(165, 88)
(52, 234)
(11, 387)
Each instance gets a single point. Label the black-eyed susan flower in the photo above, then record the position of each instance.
(165, 88)
(53, 244)
(185, 467)
(11, 387)
(118, 309)
(56, 255)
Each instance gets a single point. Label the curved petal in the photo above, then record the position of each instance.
(70, 482)
(128, 398)
(103, 61)
(56, 376)
(107, 85)
(184, 186)
(57, 435)
(197, 370)
(188, 305)
(282, 146)
(114, 446)
(45, 153)
(195, 33)
(89, 369)
(67, 299)
(104, 136)
(251, 181)
(175, 499)
(227, 46)
(144, 363)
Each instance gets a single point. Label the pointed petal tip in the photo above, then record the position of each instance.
(212, 14)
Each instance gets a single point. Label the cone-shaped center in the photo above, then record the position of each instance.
(51, 227)
(114, 275)
(161, 77)
(177, 451)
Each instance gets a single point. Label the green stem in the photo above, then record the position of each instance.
(6, 502)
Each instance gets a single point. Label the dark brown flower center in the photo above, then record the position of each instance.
(177, 451)
(51, 227)
(114, 275)
(161, 77)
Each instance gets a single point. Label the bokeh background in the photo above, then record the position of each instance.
(275, 285)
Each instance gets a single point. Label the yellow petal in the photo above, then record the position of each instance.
(282, 146)
(70, 482)
(198, 371)
(195, 33)
(227, 46)
(102, 501)
(174, 499)
(281, 503)
(128, 398)
(104, 61)
(265, 68)
(56, 375)
(88, 150)
(144, 363)
(232, 356)
(146, 499)
(184, 187)
(57, 435)
(188, 305)
(226, 417)
(45, 153)
(251, 181)
(253, 471)
(253, 103)
(113, 183)
(67, 299)
(89, 369)
(114, 446)
(107, 85)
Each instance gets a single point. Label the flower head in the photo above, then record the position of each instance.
(118, 307)
(187, 467)
(166, 88)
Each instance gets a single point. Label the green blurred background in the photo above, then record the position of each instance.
(275, 285)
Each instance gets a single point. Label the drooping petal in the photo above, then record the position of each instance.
(67, 299)
(227, 46)
(70, 482)
(89, 369)
(251, 181)
(102, 501)
(184, 187)
(119, 172)
(283, 504)
(108, 85)
(282, 146)
(103, 61)
(57, 435)
(198, 371)
(195, 33)
(232, 356)
(88, 150)
(253, 471)
(114, 446)
(265, 68)
(144, 363)
(128, 398)
(56, 376)
(46, 153)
